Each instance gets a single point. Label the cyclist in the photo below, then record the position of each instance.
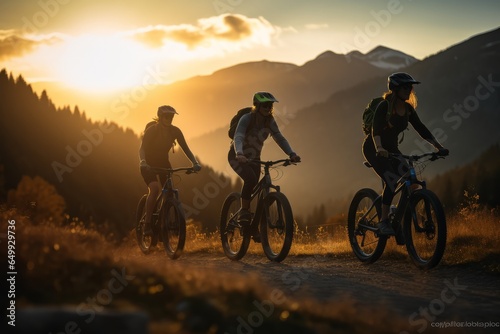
(252, 130)
(383, 139)
(159, 136)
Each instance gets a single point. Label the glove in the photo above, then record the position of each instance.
(196, 167)
(143, 164)
(241, 158)
(443, 151)
(382, 152)
(294, 157)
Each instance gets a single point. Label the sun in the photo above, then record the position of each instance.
(101, 63)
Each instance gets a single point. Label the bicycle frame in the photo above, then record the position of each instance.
(167, 203)
(418, 221)
(404, 185)
(168, 186)
(263, 187)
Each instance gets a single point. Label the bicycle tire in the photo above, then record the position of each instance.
(146, 243)
(235, 239)
(173, 228)
(367, 251)
(425, 231)
(276, 226)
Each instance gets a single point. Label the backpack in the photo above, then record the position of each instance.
(235, 120)
(369, 114)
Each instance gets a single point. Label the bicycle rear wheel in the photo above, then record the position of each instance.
(364, 212)
(234, 237)
(276, 226)
(173, 228)
(425, 231)
(145, 242)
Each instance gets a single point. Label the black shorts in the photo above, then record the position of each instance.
(150, 176)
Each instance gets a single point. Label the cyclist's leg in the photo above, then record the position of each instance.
(249, 173)
(154, 188)
(389, 173)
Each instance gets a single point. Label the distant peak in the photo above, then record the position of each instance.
(384, 57)
(326, 54)
(381, 48)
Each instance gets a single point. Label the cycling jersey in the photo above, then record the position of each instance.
(157, 142)
(250, 141)
(390, 130)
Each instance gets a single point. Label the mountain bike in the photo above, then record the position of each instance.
(418, 219)
(273, 217)
(167, 221)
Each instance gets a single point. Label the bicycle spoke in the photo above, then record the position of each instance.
(365, 243)
(235, 240)
(173, 228)
(276, 226)
(426, 232)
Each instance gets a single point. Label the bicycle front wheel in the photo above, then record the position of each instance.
(276, 226)
(364, 214)
(425, 229)
(173, 228)
(234, 237)
(145, 242)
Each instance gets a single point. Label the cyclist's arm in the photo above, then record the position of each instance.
(422, 130)
(239, 134)
(182, 143)
(142, 149)
(279, 138)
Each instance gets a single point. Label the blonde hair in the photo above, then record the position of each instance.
(391, 97)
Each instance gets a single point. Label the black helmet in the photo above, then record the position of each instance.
(261, 97)
(400, 78)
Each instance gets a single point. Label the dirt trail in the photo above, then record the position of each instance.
(464, 293)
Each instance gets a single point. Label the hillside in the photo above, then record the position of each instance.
(456, 102)
(205, 102)
(94, 166)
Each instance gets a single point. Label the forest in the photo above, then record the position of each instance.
(58, 164)
(91, 169)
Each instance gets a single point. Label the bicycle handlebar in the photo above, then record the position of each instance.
(189, 170)
(286, 162)
(416, 157)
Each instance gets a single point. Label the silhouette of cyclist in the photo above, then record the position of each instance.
(401, 101)
(252, 130)
(159, 137)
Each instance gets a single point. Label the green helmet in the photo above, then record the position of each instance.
(261, 97)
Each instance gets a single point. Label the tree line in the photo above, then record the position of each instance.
(93, 165)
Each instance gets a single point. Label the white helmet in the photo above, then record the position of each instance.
(166, 110)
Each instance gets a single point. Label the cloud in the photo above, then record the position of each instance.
(224, 28)
(316, 26)
(13, 44)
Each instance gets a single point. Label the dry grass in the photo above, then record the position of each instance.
(64, 265)
(473, 235)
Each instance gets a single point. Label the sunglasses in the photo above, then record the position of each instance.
(267, 105)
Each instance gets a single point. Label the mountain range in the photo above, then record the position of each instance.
(320, 110)
(459, 101)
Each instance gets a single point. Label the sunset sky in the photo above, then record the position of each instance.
(103, 45)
